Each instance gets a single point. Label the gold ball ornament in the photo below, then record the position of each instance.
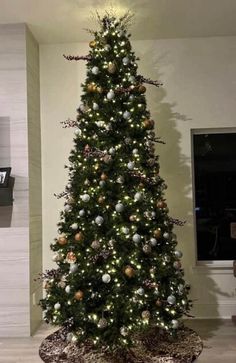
(90, 87)
(62, 241)
(146, 314)
(148, 124)
(79, 295)
(129, 271)
(157, 233)
(142, 89)
(99, 90)
(111, 68)
(79, 237)
(92, 44)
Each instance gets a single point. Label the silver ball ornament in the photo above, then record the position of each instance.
(81, 212)
(136, 238)
(166, 235)
(95, 106)
(119, 207)
(74, 226)
(140, 291)
(138, 197)
(85, 198)
(110, 95)
(171, 299)
(178, 254)
(95, 70)
(106, 278)
(125, 61)
(73, 267)
(175, 324)
(78, 132)
(99, 220)
(125, 230)
(57, 306)
(147, 249)
(126, 115)
(123, 331)
(130, 165)
(67, 289)
(102, 323)
(153, 242)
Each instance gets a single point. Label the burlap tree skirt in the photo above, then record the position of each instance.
(154, 347)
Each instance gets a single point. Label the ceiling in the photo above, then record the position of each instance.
(60, 21)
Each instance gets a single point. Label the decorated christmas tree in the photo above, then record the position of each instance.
(118, 270)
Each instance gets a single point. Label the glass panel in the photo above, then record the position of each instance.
(215, 195)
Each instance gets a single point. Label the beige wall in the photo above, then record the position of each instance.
(199, 90)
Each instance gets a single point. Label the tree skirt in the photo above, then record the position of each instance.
(154, 347)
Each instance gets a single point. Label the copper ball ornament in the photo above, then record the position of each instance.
(62, 240)
(79, 237)
(129, 271)
(161, 204)
(79, 295)
(93, 43)
(104, 176)
(157, 233)
(148, 124)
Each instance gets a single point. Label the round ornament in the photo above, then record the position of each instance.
(123, 331)
(79, 237)
(132, 218)
(130, 165)
(136, 238)
(171, 299)
(166, 235)
(112, 151)
(99, 220)
(62, 240)
(146, 314)
(57, 257)
(158, 303)
(135, 151)
(129, 271)
(92, 44)
(106, 278)
(67, 208)
(153, 242)
(175, 324)
(104, 176)
(111, 68)
(78, 132)
(107, 47)
(79, 295)
(161, 204)
(157, 233)
(70, 257)
(102, 183)
(125, 61)
(107, 159)
(126, 115)
(140, 291)
(178, 254)
(81, 212)
(142, 89)
(90, 87)
(148, 124)
(95, 106)
(177, 265)
(102, 323)
(95, 244)
(147, 249)
(132, 79)
(138, 197)
(67, 289)
(73, 267)
(110, 95)
(99, 89)
(57, 306)
(74, 226)
(85, 198)
(119, 207)
(101, 199)
(120, 179)
(125, 230)
(95, 70)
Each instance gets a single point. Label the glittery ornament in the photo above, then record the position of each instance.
(73, 267)
(129, 271)
(177, 265)
(142, 89)
(119, 207)
(104, 176)
(140, 291)
(110, 95)
(146, 314)
(107, 159)
(124, 331)
(102, 323)
(138, 197)
(85, 198)
(153, 242)
(175, 324)
(171, 299)
(125, 61)
(126, 115)
(95, 244)
(99, 220)
(111, 68)
(106, 278)
(130, 165)
(101, 199)
(92, 44)
(157, 233)
(90, 87)
(147, 249)
(125, 230)
(70, 257)
(111, 242)
(132, 218)
(136, 238)
(95, 70)
(120, 179)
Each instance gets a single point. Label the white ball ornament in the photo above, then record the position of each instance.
(125, 230)
(166, 235)
(140, 291)
(95, 106)
(57, 257)
(126, 115)
(67, 208)
(123, 331)
(130, 165)
(106, 278)
(120, 179)
(132, 79)
(171, 299)
(131, 97)
(119, 207)
(138, 196)
(107, 47)
(73, 267)
(136, 238)
(178, 254)
(95, 70)
(99, 220)
(57, 306)
(135, 151)
(110, 95)
(81, 212)
(153, 242)
(85, 198)
(125, 61)
(112, 151)
(67, 289)
(74, 226)
(175, 324)
(78, 132)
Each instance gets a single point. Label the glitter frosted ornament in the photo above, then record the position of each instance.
(112, 151)
(73, 267)
(135, 151)
(81, 212)
(78, 132)
(140, 291)
(136, 238)
(95, 70)
(125, 61)
(123, 331)
(147, 249)
(175, 324)
(57, 257)
(74, 226)
(138, 197)
(102, 323)
(85, 198)
(111, 68)
(110, 95)
(120, 179)
(67, 289)
(178, 254)
(57, 306)
(130, 165)
(146, 314)
(70, 257)
(166, 235)
(95, 244)
(106, 278)
(119, 207)
(153, 242)
(126, 115)
(125, 230)
(171, 299)
(99, 220)
(95, 106)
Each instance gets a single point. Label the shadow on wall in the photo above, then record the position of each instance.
(175, 168)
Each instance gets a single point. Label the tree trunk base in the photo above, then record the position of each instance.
(153, 347)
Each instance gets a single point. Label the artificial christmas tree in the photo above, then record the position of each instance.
(119, 271)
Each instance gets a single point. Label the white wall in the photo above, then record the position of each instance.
(199, 91)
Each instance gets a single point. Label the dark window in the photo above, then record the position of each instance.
(215, 195)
